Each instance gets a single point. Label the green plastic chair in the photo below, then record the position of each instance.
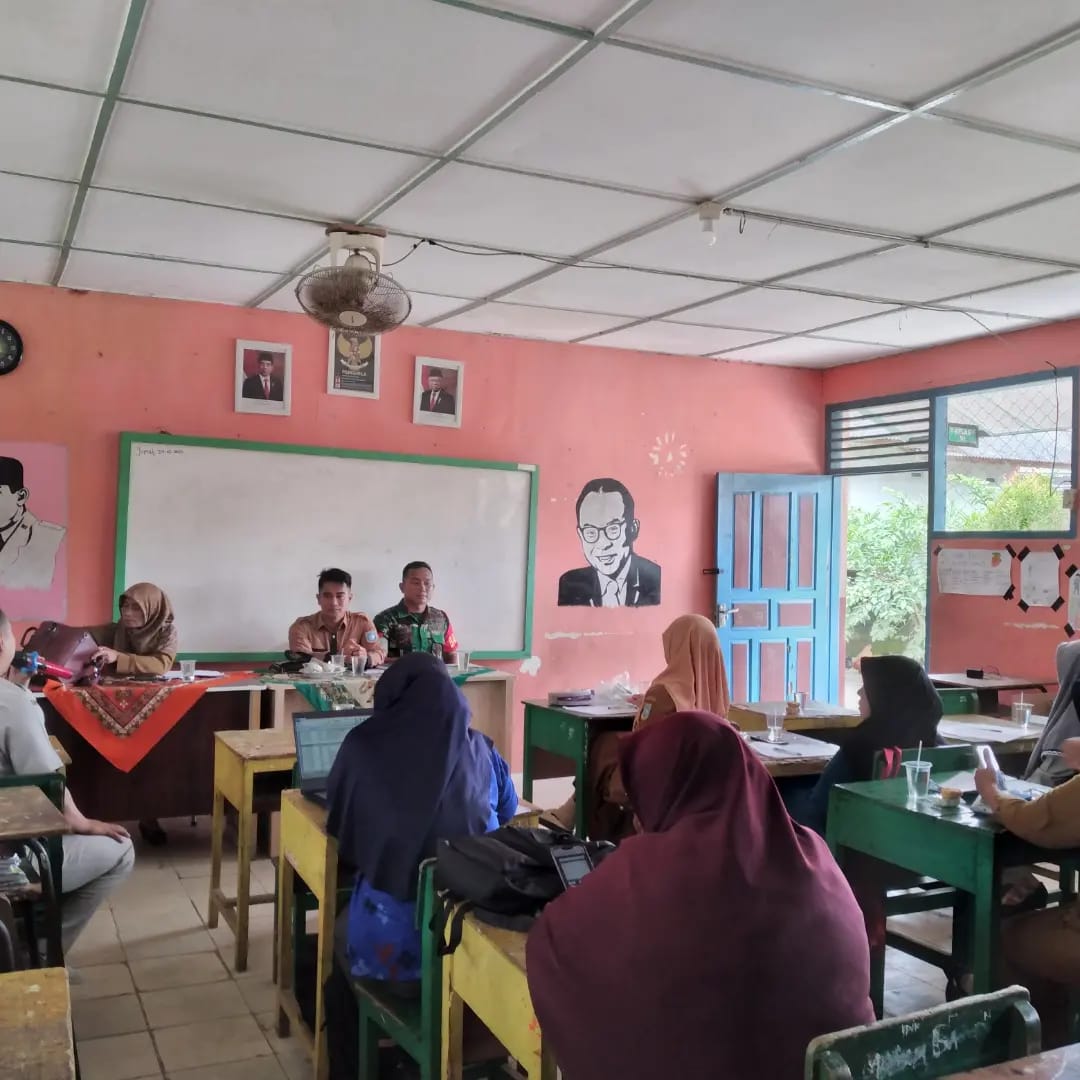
(986, 1030)
(955, 702)
(415, 1024)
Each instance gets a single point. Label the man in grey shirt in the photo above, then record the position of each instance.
(97, 856)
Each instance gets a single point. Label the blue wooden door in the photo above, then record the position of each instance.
(777, 552)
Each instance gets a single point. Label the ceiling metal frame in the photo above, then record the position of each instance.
(132, 22)
(608, 35)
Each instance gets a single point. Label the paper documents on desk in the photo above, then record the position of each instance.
(983, 733)
(175, 676)
(621, 709)
(796, 748)
(961, 781)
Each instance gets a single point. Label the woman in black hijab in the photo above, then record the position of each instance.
(899, 706)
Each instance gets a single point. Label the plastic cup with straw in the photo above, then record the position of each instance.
(918, 776)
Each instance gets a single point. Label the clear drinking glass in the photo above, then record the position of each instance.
(918, 779)
(187, 670)
(354, 665)
(774, 720)
(803, 698)
(1021, 713)
(337, 662)
(463, 659)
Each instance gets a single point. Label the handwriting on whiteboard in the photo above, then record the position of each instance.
(157, 451)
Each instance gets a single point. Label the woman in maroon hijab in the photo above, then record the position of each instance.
(716, 944)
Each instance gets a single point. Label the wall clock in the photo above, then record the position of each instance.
(11, 348)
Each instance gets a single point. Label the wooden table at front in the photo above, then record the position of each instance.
(487, 972)
(35, 1025)
(1049, 1065)
(798, 755)
(818, 717)
(554, 732)
(175, 777)
(955, 846)
(240, 756)
(989, 686)
(305, 850)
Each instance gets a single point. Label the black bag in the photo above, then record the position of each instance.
(504, 877)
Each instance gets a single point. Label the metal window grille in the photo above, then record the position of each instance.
(879, 437)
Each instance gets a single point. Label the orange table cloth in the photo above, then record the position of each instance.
(124, 720)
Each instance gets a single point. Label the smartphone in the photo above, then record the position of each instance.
(572, 863)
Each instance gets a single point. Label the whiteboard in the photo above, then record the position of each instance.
(236, 534)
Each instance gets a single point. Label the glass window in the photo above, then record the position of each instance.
(1008, 458)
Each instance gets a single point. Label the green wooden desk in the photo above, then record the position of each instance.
(553, 730)
(956, 847)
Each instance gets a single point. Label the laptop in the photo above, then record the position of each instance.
(319, 736)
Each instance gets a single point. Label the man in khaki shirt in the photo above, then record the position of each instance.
(334, 628)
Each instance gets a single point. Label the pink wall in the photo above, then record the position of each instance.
(98, 364)
(973, 631)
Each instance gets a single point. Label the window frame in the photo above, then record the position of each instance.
(938, 397)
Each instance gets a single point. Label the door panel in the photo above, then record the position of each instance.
(775, 559)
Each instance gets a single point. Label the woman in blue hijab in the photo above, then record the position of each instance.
(412, 773)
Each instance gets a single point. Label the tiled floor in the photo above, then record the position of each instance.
(158, 995)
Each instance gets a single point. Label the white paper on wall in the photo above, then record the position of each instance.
(1039, 579)
(974, 571)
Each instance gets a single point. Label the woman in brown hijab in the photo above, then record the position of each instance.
(144, 641)
(694, 679)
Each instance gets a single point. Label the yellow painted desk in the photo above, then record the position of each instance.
(818, 716)
(239, 756)
(487, 973)
(35, 1025)
(61, 753)
(306, 850)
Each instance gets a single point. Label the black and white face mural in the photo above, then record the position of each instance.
(607, 529)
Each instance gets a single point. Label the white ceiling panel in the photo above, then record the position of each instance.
(914, 273)
(1050, 298)
(517, 320)
(1043, 96)
(177, 154)
(58, 41)
(901, 51)
(439, 270)
(144, 226)
(33, 209)
(763, 250)
(407, 72)
(809, 352)
(282, 300)
(912, 328)
(1048, 230)
(45, 131)
(679, 338)
(147, 277)
(917, 177)
(617, 292)
(426, 306)
(588, 14)
(515, 212)
(778, 310)
(23, 262)
(629, 118)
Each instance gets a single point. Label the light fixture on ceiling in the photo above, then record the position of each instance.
(709, 214)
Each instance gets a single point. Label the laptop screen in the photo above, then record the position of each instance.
(318, 738)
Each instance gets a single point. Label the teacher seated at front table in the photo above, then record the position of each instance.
(413, 625)
(144, 641)
(334, 629)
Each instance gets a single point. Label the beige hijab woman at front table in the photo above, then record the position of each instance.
(693, 680)
(144, 641)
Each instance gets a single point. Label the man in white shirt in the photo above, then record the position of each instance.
(28, 545)
(98, 856)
